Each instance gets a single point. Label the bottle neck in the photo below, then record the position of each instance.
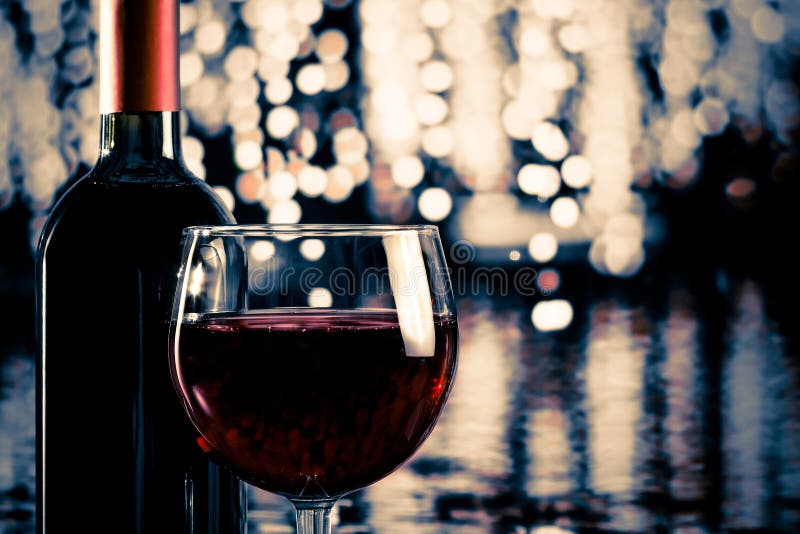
(144, 140)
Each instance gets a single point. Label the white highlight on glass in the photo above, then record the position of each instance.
(411, 291)
(196, 280)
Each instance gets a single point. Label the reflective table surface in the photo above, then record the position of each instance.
(666, 406)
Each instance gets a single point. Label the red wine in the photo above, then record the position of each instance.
(314, 403)
(115, 452)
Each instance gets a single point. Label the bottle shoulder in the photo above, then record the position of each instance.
(98, 202)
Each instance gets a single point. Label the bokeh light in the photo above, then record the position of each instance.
(565, 212)
(285, 212)
(451, 92)
(311, 79)
(576, 171)
(540, 180)
(312, 249)
(436, 76)
(281, 121)
(543, 247)
(209, 37)
(552, 315)
(261, 251)
(312, 180)
(226, 196)
(332, 46)
(340, 184)
(435, 204)
(278, 90)
(320, 297)
(407, 171)
(282, 185)
(248, 155)
(549, 141)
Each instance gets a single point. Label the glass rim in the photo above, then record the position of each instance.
(344, 229)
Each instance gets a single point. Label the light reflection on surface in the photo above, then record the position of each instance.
(613, 382)
(683, 422)
(748, 399)
(607, 426)
(471, 433)
(549, 451)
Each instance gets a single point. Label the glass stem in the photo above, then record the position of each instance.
(314, 517)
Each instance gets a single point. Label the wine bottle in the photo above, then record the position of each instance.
(115, 451)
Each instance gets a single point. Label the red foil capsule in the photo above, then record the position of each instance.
(138, 56)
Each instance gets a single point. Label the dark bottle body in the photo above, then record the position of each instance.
(115, 451)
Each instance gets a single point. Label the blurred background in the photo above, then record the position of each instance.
(617, 184)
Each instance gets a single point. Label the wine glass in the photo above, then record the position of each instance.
(313, 359)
